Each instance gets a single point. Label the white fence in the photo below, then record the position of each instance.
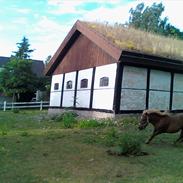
(24, 105)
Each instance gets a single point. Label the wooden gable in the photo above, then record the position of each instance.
(82, 48)
(82, 55)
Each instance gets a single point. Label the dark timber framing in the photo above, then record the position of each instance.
(75, 90)
(147, 88)
(62, 90)
(117, 89)
(92, 88)
(171, 90)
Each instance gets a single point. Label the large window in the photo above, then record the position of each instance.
(84, 83)
(104, 81)
(69, 84)
(56, 86)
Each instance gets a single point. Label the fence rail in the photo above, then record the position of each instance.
(24, 105)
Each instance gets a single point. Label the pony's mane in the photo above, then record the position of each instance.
(155, 111)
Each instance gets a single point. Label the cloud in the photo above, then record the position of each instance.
(23, 10)
(20, 21)
(48, 35)
(77, 6)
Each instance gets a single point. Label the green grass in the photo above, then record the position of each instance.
(133, 39)
(35, 149)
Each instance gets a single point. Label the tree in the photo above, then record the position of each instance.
(149, 19)
(23, 51)
(17, 78)
(47, 59)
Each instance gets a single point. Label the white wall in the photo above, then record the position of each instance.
(103, 96)
(55, 95)
(83, 94)
(133, 92)
(68, 94)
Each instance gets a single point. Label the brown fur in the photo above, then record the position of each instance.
(163, 122)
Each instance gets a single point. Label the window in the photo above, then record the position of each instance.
(104, 81)
(84, 83)
(69, 84)
(56, 86)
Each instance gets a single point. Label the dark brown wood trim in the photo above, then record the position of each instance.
(147, 88)
(92, 88)
(171, 90)
(117, 90)
(75, 90)
(62, 90)
(152, 62)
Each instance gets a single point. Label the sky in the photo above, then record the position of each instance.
(46, 22)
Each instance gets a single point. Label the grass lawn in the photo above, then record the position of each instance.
(33, 150)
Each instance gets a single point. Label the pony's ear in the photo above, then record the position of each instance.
(146, 113)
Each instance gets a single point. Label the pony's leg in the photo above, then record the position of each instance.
(180, 137)
(152, 136)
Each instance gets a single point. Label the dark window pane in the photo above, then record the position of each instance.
(69, 85)
(104, 81)
(84, 83)
(56, 86)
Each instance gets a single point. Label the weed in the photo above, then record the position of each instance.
(90, 123)
(24, 134)
(4, 132)
(129, 143)
(69, 119)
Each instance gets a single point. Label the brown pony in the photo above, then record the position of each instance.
(163, 122)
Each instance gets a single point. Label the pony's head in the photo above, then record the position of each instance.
(144, 120)
(150, 116)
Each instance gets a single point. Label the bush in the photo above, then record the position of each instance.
(130, 144)
(127, 143)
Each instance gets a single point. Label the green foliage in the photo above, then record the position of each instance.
(90, 123)
(4, 132)
(17, 77)
(24, 134)
(111, 137)
(23, 51)
(130, 144)
(149, 19)
(69, 119)
(127, 142)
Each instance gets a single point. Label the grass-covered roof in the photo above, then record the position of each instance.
(137, 40)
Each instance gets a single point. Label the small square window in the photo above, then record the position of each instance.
(104, 81)
(84, 83)
(69, 84)
(56, 86)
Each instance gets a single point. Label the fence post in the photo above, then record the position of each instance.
(4, 108)
(41, 105)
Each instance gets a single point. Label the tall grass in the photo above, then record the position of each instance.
(133, 39)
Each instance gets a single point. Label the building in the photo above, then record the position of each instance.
(93, 73)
